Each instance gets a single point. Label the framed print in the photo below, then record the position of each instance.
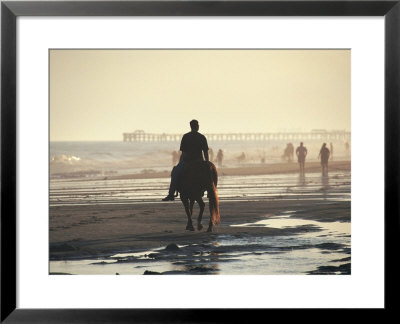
(96, 99)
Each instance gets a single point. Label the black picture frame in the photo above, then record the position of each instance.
(10, 10)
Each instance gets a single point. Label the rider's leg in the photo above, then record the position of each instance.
(174, 180)
(176, 171)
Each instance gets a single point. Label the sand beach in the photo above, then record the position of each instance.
(301, 227)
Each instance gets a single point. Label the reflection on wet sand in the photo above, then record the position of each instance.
(315, 244)
(302, 180)
(325, 186)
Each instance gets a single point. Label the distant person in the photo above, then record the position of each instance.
(324, 155)
(241, 157)
(288, 153)
(285, 152)
(301, 153)
(211, 154)
(331, 147)
(193, 146)
(220, 157)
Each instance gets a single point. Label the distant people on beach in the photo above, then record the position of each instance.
(324, 155)
(220, 157)
(211, 154)
(301, 153)
(288, 153)
(331, 147)
(241, 157)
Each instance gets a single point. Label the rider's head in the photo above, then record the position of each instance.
(301, 143)
(194, 125)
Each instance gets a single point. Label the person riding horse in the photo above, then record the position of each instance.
(193, 145)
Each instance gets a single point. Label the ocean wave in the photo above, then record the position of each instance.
(81, 174)
(64, 158)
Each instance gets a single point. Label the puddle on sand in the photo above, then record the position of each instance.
(104, 267)
(323, 251)
(286, 221)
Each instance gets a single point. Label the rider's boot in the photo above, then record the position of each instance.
(169, 198)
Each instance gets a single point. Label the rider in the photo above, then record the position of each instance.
(193, 145)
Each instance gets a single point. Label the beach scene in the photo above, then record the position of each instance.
(277, 126)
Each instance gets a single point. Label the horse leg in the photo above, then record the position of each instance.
(210, 226)
(191, 202)
(201, 205)
(189, 225)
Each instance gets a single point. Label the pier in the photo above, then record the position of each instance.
(322, 135)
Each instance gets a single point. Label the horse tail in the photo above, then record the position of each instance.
(214, 205)
(212, 171)
(213, 196)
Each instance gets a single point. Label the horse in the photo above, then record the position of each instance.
(196, 178)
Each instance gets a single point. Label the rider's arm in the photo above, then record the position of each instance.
(206, 155)
(205, 148)
(182, 155)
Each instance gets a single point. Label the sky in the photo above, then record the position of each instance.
(97, 95)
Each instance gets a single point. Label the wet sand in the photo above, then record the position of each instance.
(251, 169)
(95, 230)
(100, 230)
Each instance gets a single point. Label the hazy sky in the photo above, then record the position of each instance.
(100, 94)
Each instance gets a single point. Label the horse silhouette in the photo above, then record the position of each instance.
(196, 178)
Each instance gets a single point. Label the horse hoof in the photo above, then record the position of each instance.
(209, 229)
(199, 227)
(190, 227)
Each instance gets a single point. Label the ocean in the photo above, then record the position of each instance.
(93, 159)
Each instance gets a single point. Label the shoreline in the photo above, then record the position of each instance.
(245, 170)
